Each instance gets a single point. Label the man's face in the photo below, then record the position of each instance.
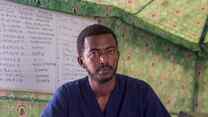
(100, 57)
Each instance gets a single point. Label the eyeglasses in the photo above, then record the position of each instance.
(96, 53)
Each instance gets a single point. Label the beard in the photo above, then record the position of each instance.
(103, 73)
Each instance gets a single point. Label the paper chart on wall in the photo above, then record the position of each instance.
(38, 48)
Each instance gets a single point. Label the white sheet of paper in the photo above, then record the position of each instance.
(38, 48)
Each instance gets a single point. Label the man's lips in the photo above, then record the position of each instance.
(105, 70)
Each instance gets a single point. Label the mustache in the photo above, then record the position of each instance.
(104, 67)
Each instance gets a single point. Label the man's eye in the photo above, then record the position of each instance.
(93, 53)
(111, 52)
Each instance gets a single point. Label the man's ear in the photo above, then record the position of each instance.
(80, 61)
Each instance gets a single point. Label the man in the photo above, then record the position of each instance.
(103, 93)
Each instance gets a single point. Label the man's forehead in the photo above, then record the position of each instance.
(100, 41)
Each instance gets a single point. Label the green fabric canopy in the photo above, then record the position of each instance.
(179, 21)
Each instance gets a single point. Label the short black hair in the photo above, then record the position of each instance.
(91, 30)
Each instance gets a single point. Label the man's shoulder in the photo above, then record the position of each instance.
(137, 86)
(71, 86)
(132, 81)
(74, 83)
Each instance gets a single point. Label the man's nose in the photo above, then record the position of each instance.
(103, 59)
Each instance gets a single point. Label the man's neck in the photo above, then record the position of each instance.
(104, 89)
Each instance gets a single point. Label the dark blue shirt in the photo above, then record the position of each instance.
(130, 98)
